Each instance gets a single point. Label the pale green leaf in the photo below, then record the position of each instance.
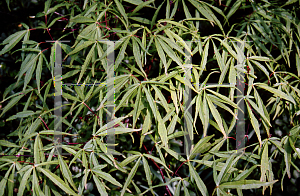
(24, 181)
(82, 19)
(122, 10)
(55, 179)
(246, 184)
(201, 186)
(99, 186)
(130, 176)
(216, 115)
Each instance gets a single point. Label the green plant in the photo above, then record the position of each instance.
(149, 85)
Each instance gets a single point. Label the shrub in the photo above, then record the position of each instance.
(158, 98)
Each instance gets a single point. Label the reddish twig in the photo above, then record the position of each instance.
(47, 28)
(179, 167)
(157, 166)
(90, 110)
(44, 122)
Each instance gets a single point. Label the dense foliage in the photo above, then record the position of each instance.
(229, 41)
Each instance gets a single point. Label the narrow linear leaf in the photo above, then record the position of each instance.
(55, 179)
(130, 176)
(201, 186)
(246, 184)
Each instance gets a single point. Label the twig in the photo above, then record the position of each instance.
(160, 170)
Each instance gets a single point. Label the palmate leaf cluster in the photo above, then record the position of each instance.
(157, 43)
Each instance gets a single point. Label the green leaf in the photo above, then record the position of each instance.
(171, 42)
(232, 79)
(82, 19)
(141, 20)
(35, 185)
(216, 115)
(47, 6)
(259, 58)
(245, 173)
(224, 170)
(246, 184)
(136, 2)
(170, 53)
(298, 64)
(174, 154)
(55, 179)
(130, 176)
(233, 9)
(4, 180)
(147, 172)
(261, 67)
(29, 72)
(151, 102)
(176, 24)
(52, 132)
(37, 150)
(200, 145)
(201, 186)
(68, 96)
(215, 171)
(174, 96)
(276, 92)
(100, 186)
(204, 56)
(140, 6)
(156, 14)
(163, 184)
(224, 98)
(229, 49)
(39, 72)
(7, 2)
(218, 57)
(79, 91)
(107, 177)
(162, 131)
(146, 127)
(80, 47)
(22, 114)
(129, 159)
(287, 156)
(157, 160)
(254, 123)
(11, 103)
(186, 191)
(171, 127)
(292, 144)
(24, 181)
(137, 55)
(178, 188)
(186, 11)
(86, 62)
(289, 2)
(66, 172)
(264, 162)
(161, 54)
(137, 106)
(48, 163)
(204, 115)
(119, 131)
(122, 11)
(121, 54)
(8, 144)
(12, 40)
(168, 9)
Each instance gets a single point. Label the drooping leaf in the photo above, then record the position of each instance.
(245, 184)
(58, 181)
(130, 176)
